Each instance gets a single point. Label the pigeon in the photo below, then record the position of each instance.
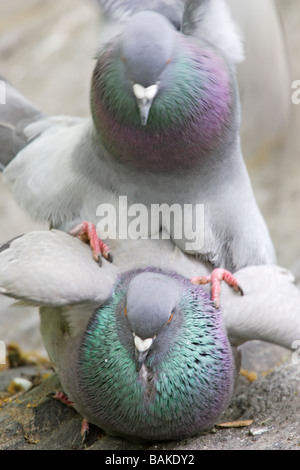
(163, 132)
(13, 120)
(140, 351)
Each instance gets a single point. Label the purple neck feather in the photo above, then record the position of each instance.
(194, 128)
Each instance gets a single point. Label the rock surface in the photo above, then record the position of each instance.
(34, 420)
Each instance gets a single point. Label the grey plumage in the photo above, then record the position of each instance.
(117, 9)
(235, 234)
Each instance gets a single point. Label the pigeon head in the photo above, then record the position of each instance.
(154, 361)
(161, 100)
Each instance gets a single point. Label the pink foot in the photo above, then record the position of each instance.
(85, 429)
(87, 233)
(60, 396)
(216, 277)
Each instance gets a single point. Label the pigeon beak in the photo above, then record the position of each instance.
(142, 348)
(144, 97)
(144, 108)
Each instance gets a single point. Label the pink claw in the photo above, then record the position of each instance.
(60, 396)
(87, 233)
(85, 429)
(216, 277)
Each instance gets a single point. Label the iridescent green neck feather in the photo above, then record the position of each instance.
(185, 384)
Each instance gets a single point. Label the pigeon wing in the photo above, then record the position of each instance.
(52, 268)
(268, 311)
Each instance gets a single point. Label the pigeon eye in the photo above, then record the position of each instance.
(170, 318)
(125, 311)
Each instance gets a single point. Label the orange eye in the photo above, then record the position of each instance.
(170, 318)
(125, 311)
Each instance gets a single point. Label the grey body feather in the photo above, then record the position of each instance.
(91, 177)
(118, 9)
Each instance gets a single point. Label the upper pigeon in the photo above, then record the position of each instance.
(164, 134)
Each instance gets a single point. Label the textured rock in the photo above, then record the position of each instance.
(34, 420)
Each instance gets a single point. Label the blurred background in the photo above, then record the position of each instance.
(46, 52)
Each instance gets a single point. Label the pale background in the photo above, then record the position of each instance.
(46, 51)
